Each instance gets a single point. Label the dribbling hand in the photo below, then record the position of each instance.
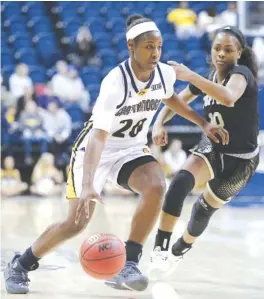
(87, 195)
(159, 135)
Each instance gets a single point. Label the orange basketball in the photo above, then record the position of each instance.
(102, 256)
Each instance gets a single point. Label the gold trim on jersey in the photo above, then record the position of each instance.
(141, 92)
(146, 150)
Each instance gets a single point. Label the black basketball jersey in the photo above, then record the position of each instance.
(242, 120)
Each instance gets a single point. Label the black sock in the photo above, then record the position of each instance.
(28, 260)
(133, 251)
(163, 240)
(181, 247)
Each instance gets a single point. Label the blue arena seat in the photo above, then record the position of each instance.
(7, 71)
(123, 55)
(110, 12)
(38, 74)
(27, 56)
(20, 40)
(6, 57)
(96, 25)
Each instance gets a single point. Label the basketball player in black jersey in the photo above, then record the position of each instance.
(230, 100)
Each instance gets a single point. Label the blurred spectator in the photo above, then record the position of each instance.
(47, 97)
(11, 183)
(8, 129)
(7, 98)
(229, 16)
(46, 178)
(76, 89)
(58, 125)
(184, 20)
(20, 80)
(159, 155)
(258, 48)
(60, 80)
(10, 114)
(85, 49)
(32, 128)
(174, 157)
(68, 86)
(28, 96)
(207, 21)
(4, 132)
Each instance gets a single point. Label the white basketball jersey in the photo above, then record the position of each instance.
(126, 106)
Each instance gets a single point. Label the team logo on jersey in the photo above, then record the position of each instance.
(142, 91)
(156, 86)
(209, 101)
(144, 105)
(146, 150)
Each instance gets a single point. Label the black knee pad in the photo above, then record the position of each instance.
(201, 214)
(181, 185)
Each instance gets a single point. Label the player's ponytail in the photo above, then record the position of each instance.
(248, 59)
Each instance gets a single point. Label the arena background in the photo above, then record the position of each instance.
(55, 98)
(39, 34)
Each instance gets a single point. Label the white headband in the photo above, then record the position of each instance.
(141, 28)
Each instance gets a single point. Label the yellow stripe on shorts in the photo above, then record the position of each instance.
(70, 187)
(82, 135)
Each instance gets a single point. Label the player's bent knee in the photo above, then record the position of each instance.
(156, 189)
(201, 214)
(182, 183)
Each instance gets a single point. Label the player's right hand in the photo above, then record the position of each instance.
(88, 194)
(159, 135)
(216, 133)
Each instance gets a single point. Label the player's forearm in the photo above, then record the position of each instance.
(164, 116)
(92, 156)
(167, 114)
(217, 91)
(183, 109)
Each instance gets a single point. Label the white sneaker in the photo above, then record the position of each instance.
(162, 264)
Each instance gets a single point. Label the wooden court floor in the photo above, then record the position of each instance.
(227, 262)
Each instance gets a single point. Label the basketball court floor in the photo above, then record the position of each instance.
(227, 262)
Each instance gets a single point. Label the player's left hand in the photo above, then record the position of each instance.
(216, 133)
(182, 72)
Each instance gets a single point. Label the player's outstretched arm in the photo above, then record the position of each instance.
(183, 109)
(226, 95)
(93, 152)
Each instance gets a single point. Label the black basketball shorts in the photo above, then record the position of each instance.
(229, 174)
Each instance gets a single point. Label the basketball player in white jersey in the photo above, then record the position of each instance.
(112, 146)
